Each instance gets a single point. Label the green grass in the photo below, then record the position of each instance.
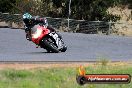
(58, 77)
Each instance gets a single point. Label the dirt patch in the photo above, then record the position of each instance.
(125, 32)
(124, 25)
(32, 66)
(3, 25)
(19, 66)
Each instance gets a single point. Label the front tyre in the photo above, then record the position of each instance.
(49, 45)
(64, 49)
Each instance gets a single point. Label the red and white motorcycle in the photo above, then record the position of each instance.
(46, 39)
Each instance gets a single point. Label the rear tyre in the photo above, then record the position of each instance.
(49, 45)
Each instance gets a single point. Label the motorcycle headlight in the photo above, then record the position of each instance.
(38, 33)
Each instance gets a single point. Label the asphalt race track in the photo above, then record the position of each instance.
(81, 47)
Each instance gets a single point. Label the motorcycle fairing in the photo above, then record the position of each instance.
(38, 32)
(57, 39)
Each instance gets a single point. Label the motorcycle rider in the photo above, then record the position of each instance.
(31, 21)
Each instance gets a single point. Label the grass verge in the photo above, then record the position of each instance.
(59, 77)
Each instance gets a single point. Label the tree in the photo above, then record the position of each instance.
(85, 9)
(6, 6)
(80, 9)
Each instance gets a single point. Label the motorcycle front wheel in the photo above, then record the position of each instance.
(64, 49)
(49, 44)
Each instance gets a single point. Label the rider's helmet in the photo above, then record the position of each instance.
(27, 16)
(26, 19)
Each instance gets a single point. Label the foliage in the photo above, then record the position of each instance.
(59, 77)
(6, 6)
(80, 9)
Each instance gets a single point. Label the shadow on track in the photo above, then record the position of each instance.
(38, 53)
